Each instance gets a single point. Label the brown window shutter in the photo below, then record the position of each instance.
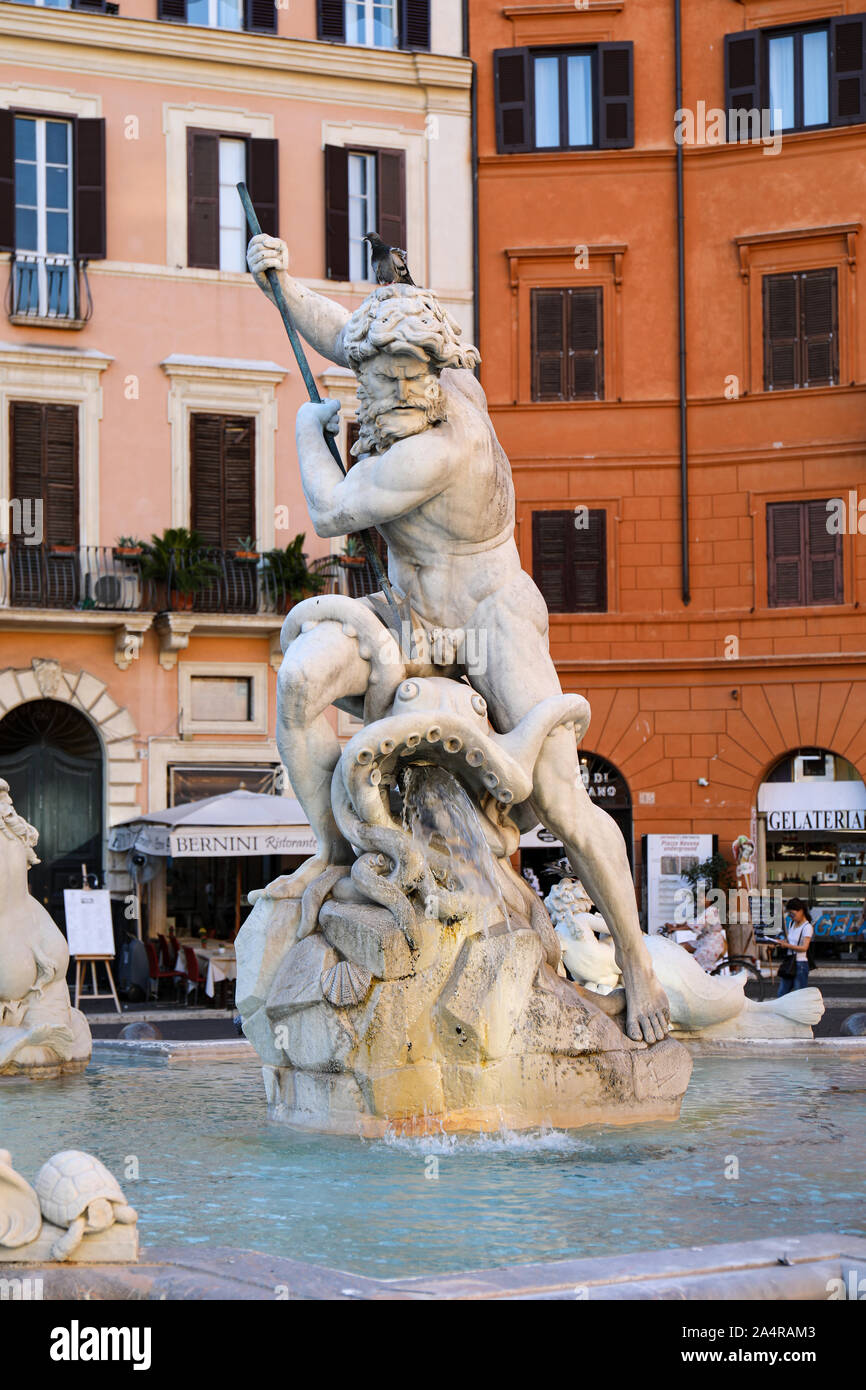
(551, 533)
(824, 576)
(207, 496)
(585, 334)
(391, 196)
(848, 69)
(781, 336)
(172, 9)
(264, 182)
(44, 446)
(589, 547)
(785, 555)
(260, 16)
(415, 24)
(742, 75)
(239, 479)
(89, 137)
(336, 213)
(7, 180)
(331, 24)
(616, 96)
(512, 96)
(203, 188)
(548, 345)
(222, 483)
(819, 328)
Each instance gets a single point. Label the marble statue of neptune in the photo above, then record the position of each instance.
(432, 478)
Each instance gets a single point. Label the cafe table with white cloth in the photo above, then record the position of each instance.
(217, 963)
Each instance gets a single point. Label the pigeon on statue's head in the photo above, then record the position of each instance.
(389, 262)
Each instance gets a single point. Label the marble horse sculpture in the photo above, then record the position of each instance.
(405, 973)
(701, 1004)
(41, 1035)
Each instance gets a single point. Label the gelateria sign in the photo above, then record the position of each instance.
(815, 806)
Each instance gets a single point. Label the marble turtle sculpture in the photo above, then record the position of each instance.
(75, 1190)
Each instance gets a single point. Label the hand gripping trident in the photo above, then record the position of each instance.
(399, 615)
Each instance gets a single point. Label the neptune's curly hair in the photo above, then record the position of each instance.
(410, 320)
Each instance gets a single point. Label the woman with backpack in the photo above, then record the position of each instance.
(793, 973)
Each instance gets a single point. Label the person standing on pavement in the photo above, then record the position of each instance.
(794, 970)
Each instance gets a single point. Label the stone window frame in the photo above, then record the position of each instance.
(781, 252)
(224, 386)
(256, 671)
(58, 376)
(553, 267)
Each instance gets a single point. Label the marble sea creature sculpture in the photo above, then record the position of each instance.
(20, 1213)
(41, 1035)
(697, 1000)
(78, 1193)
(586, 958)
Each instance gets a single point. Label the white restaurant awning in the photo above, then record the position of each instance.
(238, 823)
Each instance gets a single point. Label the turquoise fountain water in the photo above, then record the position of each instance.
(212, 1170)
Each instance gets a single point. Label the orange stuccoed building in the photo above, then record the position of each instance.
(670, 219)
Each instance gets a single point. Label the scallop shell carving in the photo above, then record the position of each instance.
(345, 984)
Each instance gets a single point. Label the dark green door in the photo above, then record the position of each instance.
(52, 759)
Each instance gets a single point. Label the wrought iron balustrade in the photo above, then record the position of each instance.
(45, 289)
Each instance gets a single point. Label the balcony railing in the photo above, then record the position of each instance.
(110, 578)
(48, 289)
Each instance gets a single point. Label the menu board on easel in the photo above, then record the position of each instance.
(88, 922)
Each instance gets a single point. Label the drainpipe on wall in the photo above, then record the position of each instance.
(681, 286)
(474, 129)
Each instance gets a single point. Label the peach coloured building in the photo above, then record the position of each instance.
(691, 491)
(146, 384)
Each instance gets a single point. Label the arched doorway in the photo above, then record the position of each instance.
(812, 840)
(51, 756)
(542, 853)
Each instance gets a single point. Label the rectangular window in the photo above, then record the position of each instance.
(570, 99)
(362, 214)
(798, 69)
(375, 23)
(216, 226)
(372, 22)
(569, 559)
(567, 344)
(806, 77)
(256, 16)
(216, 14)
(804, 558)
(801, 338)
(563, 101)
(221, 699)
(365, 191)
(233, 223)
(43, 217)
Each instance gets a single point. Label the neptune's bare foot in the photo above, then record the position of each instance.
(648, 1013)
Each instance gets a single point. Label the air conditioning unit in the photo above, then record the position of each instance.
(118, 591)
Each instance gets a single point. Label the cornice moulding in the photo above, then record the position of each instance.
(166, 43)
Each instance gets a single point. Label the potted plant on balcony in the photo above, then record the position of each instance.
(246, 549)
(288, 576)
(127, 548)
(175, 560)
(353, 551)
